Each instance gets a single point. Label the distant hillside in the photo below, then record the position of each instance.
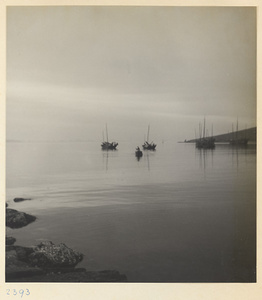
(250, 134)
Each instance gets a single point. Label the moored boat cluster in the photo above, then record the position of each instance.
(208, 142)
(106, 145)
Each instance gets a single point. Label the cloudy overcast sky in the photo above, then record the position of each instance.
(71, 70)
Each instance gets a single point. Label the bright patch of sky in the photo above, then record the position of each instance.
(70, 70)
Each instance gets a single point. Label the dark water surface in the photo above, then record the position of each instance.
(177, 215)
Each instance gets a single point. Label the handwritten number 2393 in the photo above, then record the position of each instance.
(20, 292)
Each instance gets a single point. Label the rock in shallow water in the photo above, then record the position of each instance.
(24, 264)
(49, 256)
(21, 199)
(10, 240)
(17, 219)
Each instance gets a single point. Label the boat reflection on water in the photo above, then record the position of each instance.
(237, 138)
(105, 159)
(239, 154)
(146, 154)
(237, 151)
(204, 157)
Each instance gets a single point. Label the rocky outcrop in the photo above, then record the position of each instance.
(50, 263)
(39, 260)
(10, 240)
(47, 256)
(50, 256)
(16, 219)
(46, 262)
(21, 199)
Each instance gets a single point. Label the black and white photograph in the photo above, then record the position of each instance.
(131, 144)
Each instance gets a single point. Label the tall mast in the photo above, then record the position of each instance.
(200, 131)
(148, 132)
(106, 134)
(237, 129)
(204, 128)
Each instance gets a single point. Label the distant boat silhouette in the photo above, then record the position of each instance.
(106, 145)
(205, 142)
(149, 146)
(235, 140)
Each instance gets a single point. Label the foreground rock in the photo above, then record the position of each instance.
(40, 260)
(49, 256)
(50, 263)
(21, 199)
(16, 219)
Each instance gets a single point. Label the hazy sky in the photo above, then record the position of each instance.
(71, 70)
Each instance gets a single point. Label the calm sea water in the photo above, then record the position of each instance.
(177, 215)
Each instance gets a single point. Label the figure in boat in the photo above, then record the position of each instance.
(138, 152)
